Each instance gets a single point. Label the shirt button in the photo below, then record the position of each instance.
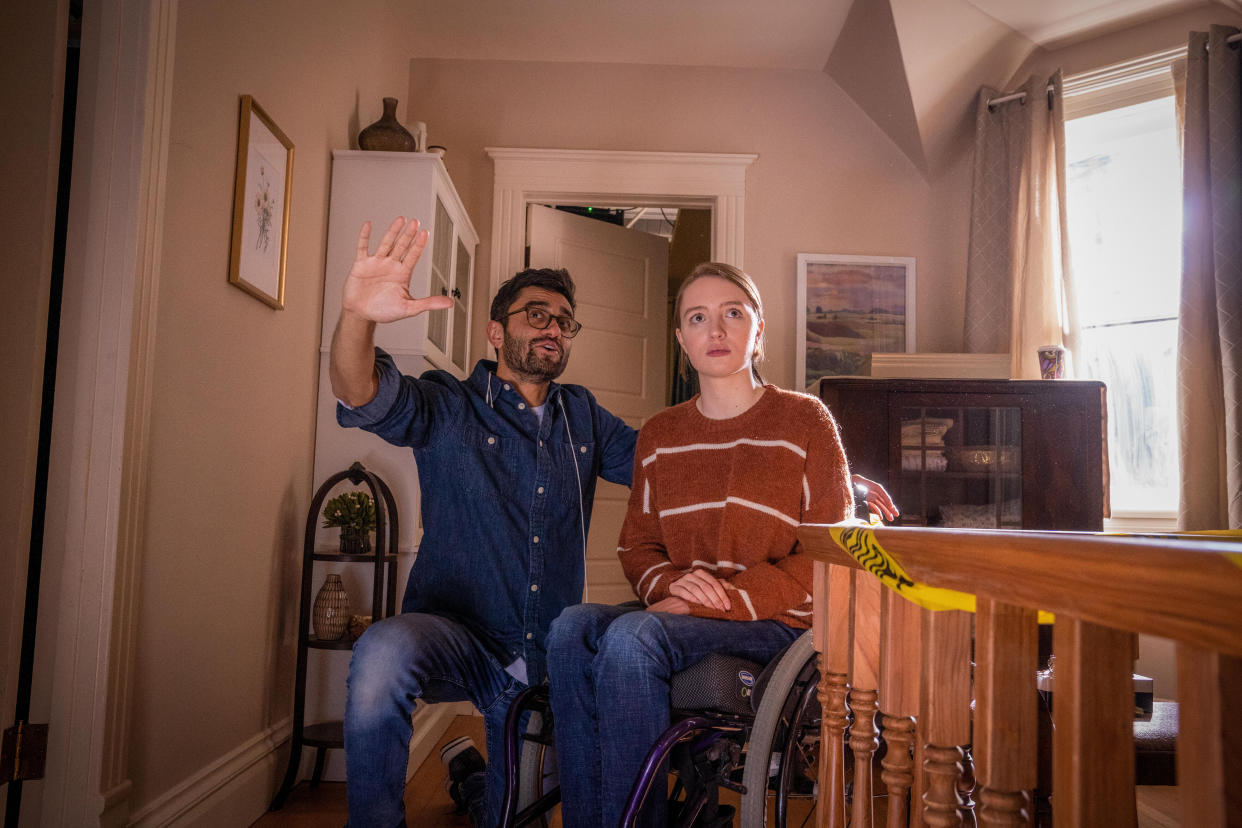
(506, 386)
(582, 450)
(536, 539)
(491, 441)
(521, 406)
(534, 587)
(540, 490)
(529, 636)
(541, 444)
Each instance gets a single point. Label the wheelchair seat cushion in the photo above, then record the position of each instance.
(718, 682)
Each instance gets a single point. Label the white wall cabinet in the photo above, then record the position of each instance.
(378, 187)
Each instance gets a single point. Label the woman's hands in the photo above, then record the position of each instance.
(876, 497)
(673, 604)
(698, 587)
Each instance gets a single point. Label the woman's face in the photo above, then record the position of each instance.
(718, 328)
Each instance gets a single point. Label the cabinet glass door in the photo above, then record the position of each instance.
(461, 305)
(961, 466)
(441, 271)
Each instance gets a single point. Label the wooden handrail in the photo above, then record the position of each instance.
(1174, 586)
(1102, 589)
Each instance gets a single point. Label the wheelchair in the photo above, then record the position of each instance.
(750, 728)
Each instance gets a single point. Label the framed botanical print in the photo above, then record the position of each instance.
(262, 188)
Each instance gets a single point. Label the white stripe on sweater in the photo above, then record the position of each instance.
(720, 504)
(749, 605)
(651, 569)
(719, 564)
(647, 594)
(741, 441)
(806, 493)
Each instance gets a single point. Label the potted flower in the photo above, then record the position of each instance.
(354, 514)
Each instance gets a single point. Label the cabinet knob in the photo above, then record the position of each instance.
(444, 292)
(456, 293)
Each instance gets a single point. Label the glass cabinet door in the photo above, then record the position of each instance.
(461, 306)
(960, 466)
(441, 272)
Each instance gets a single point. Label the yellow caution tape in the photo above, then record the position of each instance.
(859, 543)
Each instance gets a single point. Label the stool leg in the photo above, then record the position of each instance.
(321, 753)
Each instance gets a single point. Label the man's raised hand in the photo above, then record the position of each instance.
(378, 286)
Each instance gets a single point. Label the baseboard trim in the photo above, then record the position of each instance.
(237, 788)
(199, 796)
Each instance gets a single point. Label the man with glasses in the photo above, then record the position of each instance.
(507, 464)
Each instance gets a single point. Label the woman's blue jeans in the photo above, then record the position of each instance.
(397, 661)
(609, 669)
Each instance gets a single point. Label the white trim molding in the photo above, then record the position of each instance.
(99, 441)
(715, 181)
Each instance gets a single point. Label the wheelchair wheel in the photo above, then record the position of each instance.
(786, 730)
(536, 769)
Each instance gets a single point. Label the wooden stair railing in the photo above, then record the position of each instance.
(912, 667)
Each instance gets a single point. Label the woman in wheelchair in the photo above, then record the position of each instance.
(721, 483)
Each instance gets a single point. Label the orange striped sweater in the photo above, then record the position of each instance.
(727, 496)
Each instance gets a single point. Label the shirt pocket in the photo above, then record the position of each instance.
(490, 462)
(579, 456)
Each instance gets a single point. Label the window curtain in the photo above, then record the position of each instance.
(1209, 360)
(1018, 270)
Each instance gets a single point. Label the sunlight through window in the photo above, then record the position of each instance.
(1124, 195)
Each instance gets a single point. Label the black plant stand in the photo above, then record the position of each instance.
(325, 735)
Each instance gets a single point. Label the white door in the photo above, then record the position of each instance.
(622, 295)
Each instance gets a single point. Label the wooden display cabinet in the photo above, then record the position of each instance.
(1017, 454)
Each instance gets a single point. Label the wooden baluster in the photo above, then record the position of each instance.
(899, 683)
(1209, 737)
(944, 707)
(1093, 721)
(834, 589)
(864, 694)
(1006, 736)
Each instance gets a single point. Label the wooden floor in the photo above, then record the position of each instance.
(428, 805)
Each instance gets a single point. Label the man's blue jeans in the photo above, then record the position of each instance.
(609, 669)
(397, 661)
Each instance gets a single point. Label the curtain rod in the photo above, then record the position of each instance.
(1021, 96)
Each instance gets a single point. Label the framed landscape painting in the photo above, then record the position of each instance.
(850, 307)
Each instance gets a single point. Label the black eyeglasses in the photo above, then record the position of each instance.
(540, 319)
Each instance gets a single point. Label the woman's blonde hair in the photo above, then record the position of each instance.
(734, 276)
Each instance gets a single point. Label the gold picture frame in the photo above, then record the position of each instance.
(264, 159)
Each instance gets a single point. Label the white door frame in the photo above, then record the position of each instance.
(716, 181)
(99, 440)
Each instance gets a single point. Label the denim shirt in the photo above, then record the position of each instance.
(502, 505)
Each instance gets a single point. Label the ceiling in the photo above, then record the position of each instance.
(1056, 23)
(777, 34)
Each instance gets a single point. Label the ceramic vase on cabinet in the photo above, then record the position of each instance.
(387, 134)
(330, 617)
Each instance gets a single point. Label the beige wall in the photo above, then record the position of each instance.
(232, 415)
(827, 179)
(33, 49)
(1127, 44)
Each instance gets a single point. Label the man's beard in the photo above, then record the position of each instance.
(532, 363)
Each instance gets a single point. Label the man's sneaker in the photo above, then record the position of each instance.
(461, 759)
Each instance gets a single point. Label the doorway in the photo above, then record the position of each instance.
(714, 183)
(688, 234)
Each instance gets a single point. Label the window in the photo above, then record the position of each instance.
(1124, 203)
